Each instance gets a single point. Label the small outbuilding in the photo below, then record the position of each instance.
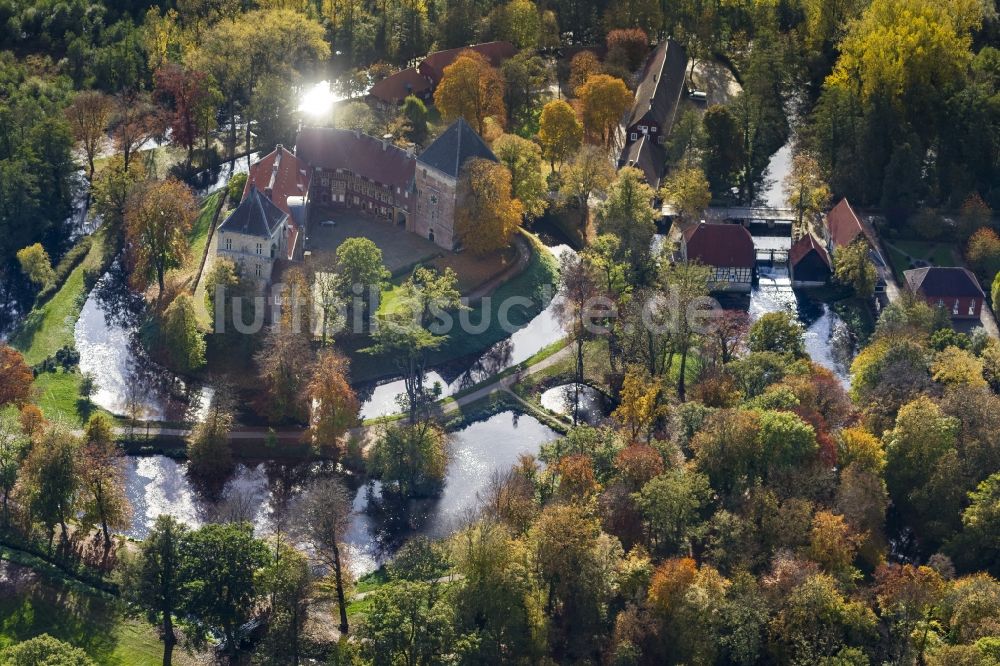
(809, 263)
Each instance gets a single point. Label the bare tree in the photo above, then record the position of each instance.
(89, 115)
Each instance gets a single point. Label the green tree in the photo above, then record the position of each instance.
(360, 274)
(523, 159)
(35, 263)
(411, 460)
(218, 567)
(520, 22)
(208, 450)
(976, 547)
(415, 112)
(185, 343)
(723, 149)
(805, 190)
(44, 650)
(673, 507)
(287, 582)
(102, 478)
(628, 213)
(685, 287)
(922, 472)
(687, 190)
(154, 579)
(50, 480)
(852, 266)
(778, 332)
(14, 445)
(406, 625)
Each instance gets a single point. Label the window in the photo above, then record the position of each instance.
(653, 129)
(260, 248)
(259, 270)
(434, 199)
(643, 128)
(229, 243)
(954, 308)
(972, 307)
(633, 136)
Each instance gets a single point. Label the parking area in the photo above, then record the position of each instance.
(400, 248)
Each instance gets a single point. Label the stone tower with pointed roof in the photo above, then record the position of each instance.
(254, 236)
(436, 180)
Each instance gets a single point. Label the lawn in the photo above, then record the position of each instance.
(47, 329)
(50, 327)
(197, 239)
(542, 270)
(31, 605)
(930, 253)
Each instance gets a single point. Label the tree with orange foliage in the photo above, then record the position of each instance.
(908, 597)
(334, 403)
(576, 476)
(637, 464)
(604, 99)
(15, 376)
(628, 46)
(472, 89)
(32, 420)
(583, 65)
(158, 218)
(487, 215)
(89, 115)
(833, 544)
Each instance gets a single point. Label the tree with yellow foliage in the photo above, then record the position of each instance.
(639, 406)
(472, 89)
(955, 366)
(487, 215)
(604, 99)
(559, 132)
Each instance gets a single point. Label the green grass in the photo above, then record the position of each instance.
(90, 620)
(47, 329)
(199, 231)
(58, 396)
(541, 270)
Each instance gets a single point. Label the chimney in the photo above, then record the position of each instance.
(386, 138)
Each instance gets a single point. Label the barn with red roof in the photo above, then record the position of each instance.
(727, 249)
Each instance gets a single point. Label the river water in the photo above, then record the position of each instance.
(263, 491)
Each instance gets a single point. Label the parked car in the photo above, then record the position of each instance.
(698, 96)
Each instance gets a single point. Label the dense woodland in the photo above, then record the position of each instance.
(740, 506)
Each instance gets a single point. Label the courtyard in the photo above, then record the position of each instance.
(400, 249)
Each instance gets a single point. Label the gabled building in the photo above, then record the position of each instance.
(254, 236)
(432, 67)
(727, 249)
(647, 156)
(809, 263)
(437, 172)
(354, 170)
(658, 95)
(393, 89)
(843, 226)
(284, 179)
(953, 288)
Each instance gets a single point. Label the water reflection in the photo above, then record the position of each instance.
(128, 382)
(561, 400)
(477, 451)
(828, 341)
(261, 492)
(524, 343)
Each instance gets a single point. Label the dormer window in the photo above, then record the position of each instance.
(972, 307)
(633, 136)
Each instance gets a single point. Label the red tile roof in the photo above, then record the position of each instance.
(804, 246)
(843, 224)
(394, 88)
(279, 175)
(720, 245)
(363, 155)
(496, 52)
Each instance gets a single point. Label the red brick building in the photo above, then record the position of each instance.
(955, 289)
